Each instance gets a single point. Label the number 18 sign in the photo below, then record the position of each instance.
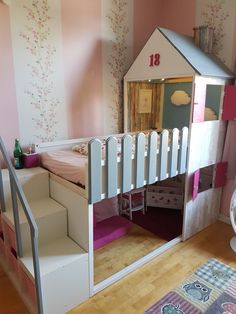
(154, 59)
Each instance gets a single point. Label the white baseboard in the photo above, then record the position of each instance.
(225, 219)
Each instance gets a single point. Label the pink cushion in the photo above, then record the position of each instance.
(106, 208)
(110, 229)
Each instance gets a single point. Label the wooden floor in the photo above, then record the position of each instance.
(139, 290)
(124, 251)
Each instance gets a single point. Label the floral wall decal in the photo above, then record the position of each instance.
(117, 58)
(40, 91)
(215, 16)
(220, 15)
(39, 79)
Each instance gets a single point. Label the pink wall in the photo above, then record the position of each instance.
(81, 30)
(146, 15)
(178, 15)
(9, 128)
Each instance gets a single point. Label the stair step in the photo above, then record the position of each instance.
(50, 216)
(64, 274)
(34, 181)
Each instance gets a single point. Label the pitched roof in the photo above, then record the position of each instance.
(203, 63)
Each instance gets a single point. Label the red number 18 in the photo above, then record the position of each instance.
(154, 59)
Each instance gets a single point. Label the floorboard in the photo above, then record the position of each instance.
(140, 289)
(124, 251)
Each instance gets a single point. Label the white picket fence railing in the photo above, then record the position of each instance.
(150, 158)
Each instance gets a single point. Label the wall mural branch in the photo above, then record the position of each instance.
(41, 62)
(117, 59)
(214, 15)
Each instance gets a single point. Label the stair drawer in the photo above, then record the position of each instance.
(28, 284)
(9, 233)
(1, 229)
(12, 260)
(2, 245)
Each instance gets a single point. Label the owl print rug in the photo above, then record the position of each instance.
(211, 289)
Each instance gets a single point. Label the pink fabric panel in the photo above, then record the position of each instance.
(196, 176)
(229, 156)
(220, 175)
(106, 208)
(229, 106)
(199, 102)
(66, 164)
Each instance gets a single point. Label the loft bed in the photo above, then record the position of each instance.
(101, 168)
(104, 167)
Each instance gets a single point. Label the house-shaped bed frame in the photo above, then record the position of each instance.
(65, 278)
(168, 56)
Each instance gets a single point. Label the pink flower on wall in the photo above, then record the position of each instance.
(41, 55)
(214, 15)
(117, 59)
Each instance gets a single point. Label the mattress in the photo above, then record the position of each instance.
(67, 164)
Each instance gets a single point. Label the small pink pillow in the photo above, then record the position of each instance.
(106, 208)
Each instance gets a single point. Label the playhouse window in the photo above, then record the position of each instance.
(206, 178)
(213, 102)
(159, 104)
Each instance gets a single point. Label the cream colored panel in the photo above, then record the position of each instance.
(206, 144)
(201, 212)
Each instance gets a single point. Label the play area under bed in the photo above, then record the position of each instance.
(106, 168)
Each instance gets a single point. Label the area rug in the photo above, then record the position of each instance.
(164, 222)
(210, 289)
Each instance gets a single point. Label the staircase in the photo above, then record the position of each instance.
(63, 264)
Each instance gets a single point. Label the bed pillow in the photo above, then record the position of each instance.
(81, 148)
(106, 208)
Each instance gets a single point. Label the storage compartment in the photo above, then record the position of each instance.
(9, 233)
(2, 245)
(165, 197)
(12, 260)
(1, 222)
(28, 284)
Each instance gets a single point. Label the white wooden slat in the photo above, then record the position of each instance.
(111, 167)
(94, 171)
(126, 155)
(163, 155)
(139, 157)
(174, 146)
(152, 157)
(183, 150)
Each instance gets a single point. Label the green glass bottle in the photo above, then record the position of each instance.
(18, 155)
